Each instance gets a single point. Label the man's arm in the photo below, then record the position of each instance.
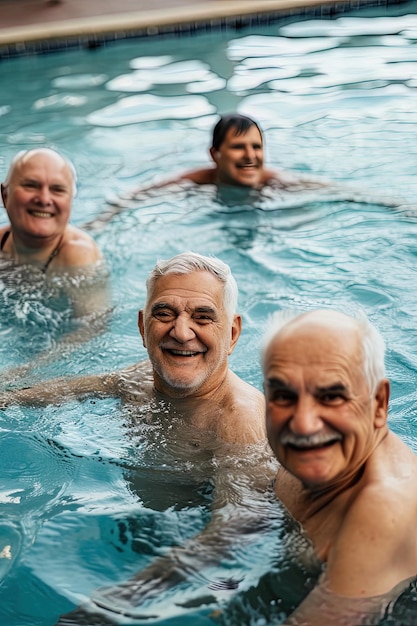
(60, 390)
(293, 181)
(133, 383)
(202, 176)
(242, 507)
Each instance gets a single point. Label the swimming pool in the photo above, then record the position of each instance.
(335, 99)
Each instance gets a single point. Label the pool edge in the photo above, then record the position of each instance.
(84, 32)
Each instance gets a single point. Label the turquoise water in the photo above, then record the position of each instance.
(336, 99)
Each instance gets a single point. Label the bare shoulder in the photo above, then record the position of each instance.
(392, 467)
(377, 540)
(288, 179)
(376, 546)
(78, 248)
(203, 176)
(135, 383)
(387, 495)
(246, 394)
(246, 410)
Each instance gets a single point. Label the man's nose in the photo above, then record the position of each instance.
(44, 196)
(250, 153)
(182, 330)
(306, 418)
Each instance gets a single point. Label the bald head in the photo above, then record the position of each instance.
(25, 156)
(329, 332)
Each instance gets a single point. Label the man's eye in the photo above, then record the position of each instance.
(202, 319)
(59, 190)
(282, 398)
(164, 316)
(332, 398)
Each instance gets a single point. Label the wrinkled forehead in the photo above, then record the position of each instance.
(188, 290)
(39, 162)
(320, 347)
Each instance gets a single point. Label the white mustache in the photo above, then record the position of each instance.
(309, 441)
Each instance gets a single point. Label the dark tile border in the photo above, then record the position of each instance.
(97, 40)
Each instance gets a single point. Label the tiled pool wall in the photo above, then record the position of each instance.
(97, 38)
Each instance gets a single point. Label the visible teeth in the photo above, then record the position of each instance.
(309, 441)
(41, 214)
(183, 352)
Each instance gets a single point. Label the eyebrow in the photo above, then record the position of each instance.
(205, 309)
(27, 179)
(237, 143)
(161, 305)
(278, 384)
(158, 306)
(35, 181)
(336, 388)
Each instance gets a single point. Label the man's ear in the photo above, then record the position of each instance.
(235, 332)
(4, 193)
(381, 399)
(214, 153)
(141, 326)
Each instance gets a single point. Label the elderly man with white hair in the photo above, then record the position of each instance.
(189, 326)
(344, 475)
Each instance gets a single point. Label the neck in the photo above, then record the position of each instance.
(33, 251)
(201, 407)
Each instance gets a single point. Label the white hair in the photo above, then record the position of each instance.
(372, 343)
(22, 154)
(188, 262)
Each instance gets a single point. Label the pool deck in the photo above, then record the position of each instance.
(43, 20)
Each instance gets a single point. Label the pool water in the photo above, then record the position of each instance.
(84, 498)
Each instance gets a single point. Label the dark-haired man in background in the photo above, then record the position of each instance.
(237, 152)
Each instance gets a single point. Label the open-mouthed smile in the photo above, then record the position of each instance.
(183, 353)
(37, 213)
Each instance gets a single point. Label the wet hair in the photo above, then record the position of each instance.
(27, 153)
(240, 123)
(189, 262)
(372, 343)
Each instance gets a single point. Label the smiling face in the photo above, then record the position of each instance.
(321, 417)
(240, 159)
(188, 334)
(38, 197)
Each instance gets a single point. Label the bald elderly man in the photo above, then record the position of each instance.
(37, 195)
(344, 475)
(39, 243)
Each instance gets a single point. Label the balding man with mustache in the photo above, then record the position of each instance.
(344, 475)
